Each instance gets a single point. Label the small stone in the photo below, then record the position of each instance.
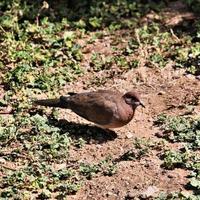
(130, 195)
(2, 160)
(149, 192)
(198, 77)
(190, 76)
(171, 175)
(129, 135)
(159, 134)
(161, 92)
(99, 146)
(111, 195)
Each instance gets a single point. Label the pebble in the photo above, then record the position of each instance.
(2, 160)
(149, 192)
(161, 92)
(159, 134)
(130, 195)
(198, 77)
(129, 135)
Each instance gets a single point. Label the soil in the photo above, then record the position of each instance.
(162, 91)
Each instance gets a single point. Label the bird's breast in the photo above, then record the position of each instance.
(122, 116)
(125, 114)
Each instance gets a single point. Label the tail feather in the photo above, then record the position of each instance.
(52, 103)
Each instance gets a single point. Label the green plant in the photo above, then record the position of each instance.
(142, 148)
(173, 159)
(89, 170)
(100, 62)
(181, 129)
(184, 195)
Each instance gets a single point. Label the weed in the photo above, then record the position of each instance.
(181, 129)
(80, 143)
(106, 167)
(173, 159)
(177, 196)
(142, 148)
(89, 170)
(41, 52)
(100, 62)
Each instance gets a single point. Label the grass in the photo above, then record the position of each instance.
(142, 148)
(184, 130)
(181, 129)
(40, 54)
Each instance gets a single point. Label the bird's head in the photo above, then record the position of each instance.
(132, 98)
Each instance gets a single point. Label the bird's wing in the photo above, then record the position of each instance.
(98, 107)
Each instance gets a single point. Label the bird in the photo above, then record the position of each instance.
(107, 109)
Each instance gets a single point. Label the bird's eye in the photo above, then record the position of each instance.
(135, 99)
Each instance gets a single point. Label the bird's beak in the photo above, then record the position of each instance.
(141, 104)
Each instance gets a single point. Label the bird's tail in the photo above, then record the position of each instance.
(60, 103)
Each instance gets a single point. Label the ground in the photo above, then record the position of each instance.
(152, 48)
(159, 93)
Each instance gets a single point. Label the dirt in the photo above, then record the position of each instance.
(162, 91)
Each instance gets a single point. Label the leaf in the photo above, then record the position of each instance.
(195, 182)
(68, 35)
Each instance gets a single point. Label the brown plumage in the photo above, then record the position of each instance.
(106, 108)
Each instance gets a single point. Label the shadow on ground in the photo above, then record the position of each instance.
(89, 133)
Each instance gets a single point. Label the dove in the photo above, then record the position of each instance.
(106, 108)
